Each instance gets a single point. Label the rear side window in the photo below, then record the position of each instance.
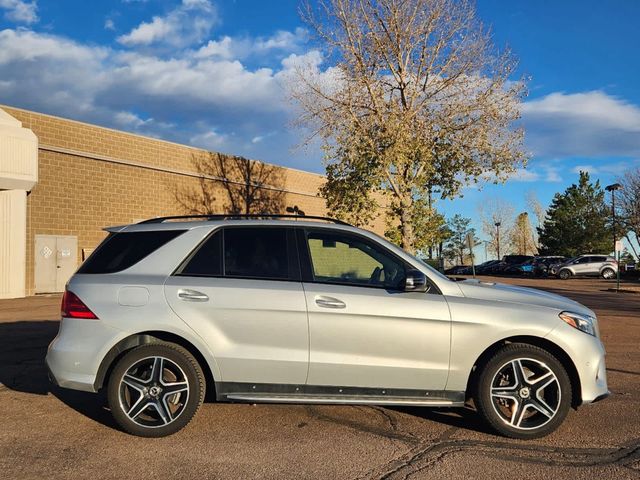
(245, 252)
(122, 250)
(207, 260)
(256, 253)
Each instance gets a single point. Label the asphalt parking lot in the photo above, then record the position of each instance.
(54, 433)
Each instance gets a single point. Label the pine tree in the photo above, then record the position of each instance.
(577, 221)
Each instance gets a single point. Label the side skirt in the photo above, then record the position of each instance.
(325, 394)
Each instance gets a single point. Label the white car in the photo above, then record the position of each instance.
(311, 310)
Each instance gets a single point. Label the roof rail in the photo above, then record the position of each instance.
(242, 216)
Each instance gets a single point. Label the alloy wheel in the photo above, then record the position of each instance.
(525, 393)
(153, 392)
(608, 274)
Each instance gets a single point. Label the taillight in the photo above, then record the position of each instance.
(73, 307)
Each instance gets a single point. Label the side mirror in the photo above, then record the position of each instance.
(416, 281)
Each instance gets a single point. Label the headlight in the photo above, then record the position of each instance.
(584, 323)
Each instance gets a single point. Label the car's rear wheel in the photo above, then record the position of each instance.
(155, 390)
(564, 274)
(608, 273)
(523, 392)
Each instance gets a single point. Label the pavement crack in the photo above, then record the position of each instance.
(426, 456)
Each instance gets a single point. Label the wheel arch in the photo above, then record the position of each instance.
(143, 338)
(540, 342)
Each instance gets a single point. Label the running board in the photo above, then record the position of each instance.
(342, 400)
(291, 393)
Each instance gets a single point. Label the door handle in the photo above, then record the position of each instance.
(192, 296)
(330, 302)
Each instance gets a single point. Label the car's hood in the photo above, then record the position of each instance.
(501, 292)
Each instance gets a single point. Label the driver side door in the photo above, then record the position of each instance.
(364, 329)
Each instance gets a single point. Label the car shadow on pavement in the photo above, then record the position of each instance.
(23, 347)
(465, 418)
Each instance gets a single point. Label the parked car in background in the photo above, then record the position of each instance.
(587, 265)
(525, 268)
(485, 267)
(541, 265)
(458, 270)
(507, 262)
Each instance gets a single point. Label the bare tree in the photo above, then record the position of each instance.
(497, 211)
(535, 207)
(521, 236)
(419, 100)
(245, 186)
(629, 208)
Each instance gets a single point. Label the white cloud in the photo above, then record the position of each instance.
(210, 102)
(20, 11)
(109, 25)
(591, 124)
(244, 47)
(610, 168)
(211, 140)
(189, 23)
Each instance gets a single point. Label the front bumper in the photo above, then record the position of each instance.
(74, 356)
(588, 355)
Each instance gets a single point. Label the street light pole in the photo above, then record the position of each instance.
(498, 238)
(612, 188)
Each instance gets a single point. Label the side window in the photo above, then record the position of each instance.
(349, 259)
(251, 252)
(584, 260)
(122, 250)
(207, 260)
(598, 259)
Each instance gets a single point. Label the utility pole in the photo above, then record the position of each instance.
(612, 188)
(498, 238)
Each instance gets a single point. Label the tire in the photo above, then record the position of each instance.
(512, 401)
(608, 273)
(564, 274)
(155, 389)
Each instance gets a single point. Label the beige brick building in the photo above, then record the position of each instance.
(62, 181)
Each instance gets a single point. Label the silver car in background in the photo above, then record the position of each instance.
(587, 265)
(311, 310)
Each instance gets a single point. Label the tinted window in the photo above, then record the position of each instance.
(256, 253)
(120, 251)
(338, 258)
(207, 260)
(583, 260)
(598, 259)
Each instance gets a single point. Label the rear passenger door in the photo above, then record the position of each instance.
(595, 264)
(240, 290)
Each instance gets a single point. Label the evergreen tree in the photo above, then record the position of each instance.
(577, 221)
(457, 247)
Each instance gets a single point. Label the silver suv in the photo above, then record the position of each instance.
(311, 311)
(588, 266)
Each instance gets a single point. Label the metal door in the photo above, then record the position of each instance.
(56, 258)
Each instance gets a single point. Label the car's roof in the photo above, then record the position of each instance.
(188, 225)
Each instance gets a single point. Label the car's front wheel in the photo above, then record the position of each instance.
(154, 390)
(564, 274)
(523, 392)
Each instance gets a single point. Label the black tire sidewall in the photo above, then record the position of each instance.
(483, 399)
(564, 274)
(184, 360)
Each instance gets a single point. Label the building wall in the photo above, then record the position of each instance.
(91, 177)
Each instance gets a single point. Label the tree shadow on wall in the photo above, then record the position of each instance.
(233, 185)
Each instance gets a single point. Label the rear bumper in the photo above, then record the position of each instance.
(74, 356)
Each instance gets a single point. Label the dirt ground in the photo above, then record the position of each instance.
(47, 432)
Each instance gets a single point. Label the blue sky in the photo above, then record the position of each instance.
(209, 73)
